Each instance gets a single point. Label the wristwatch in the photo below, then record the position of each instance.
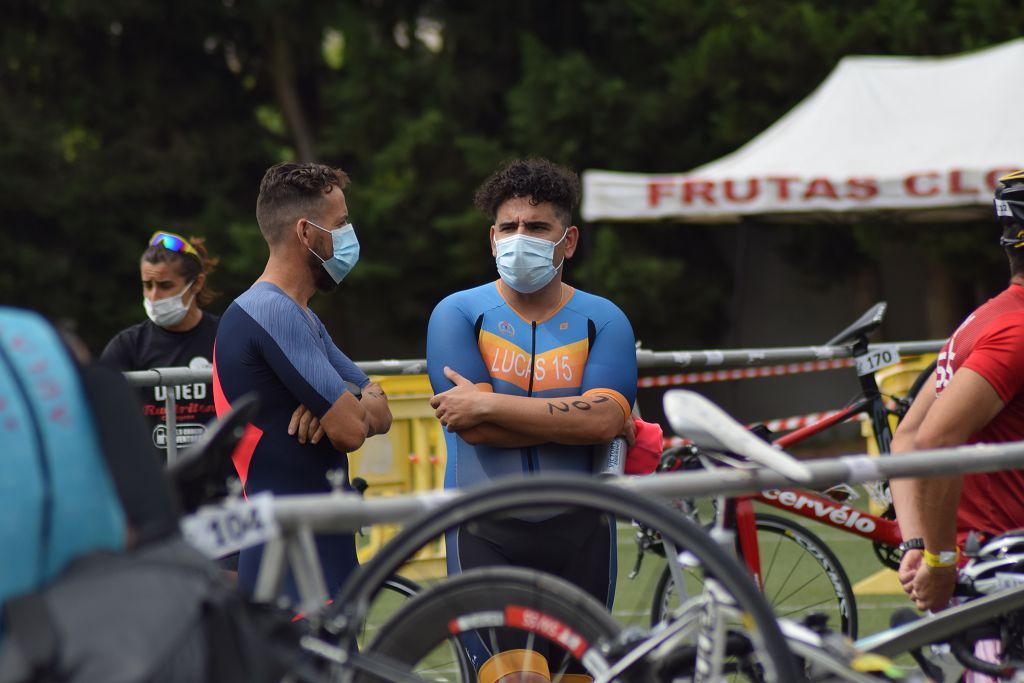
(910, 544)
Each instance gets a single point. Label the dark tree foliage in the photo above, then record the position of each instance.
(124, 116)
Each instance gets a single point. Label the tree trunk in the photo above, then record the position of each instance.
(282, 70)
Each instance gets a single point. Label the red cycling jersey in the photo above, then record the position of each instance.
(991, 342)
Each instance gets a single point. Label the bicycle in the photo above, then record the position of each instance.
(797, 561)
(333, 648)
(996, 571)
(726, 597)
(545, 608)
(703, 641)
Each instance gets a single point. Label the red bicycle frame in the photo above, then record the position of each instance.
(812, 505)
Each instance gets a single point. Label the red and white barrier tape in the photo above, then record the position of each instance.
(743, 373)
(785, 424)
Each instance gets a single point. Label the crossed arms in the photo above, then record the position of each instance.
(483, 417)
(348, 422)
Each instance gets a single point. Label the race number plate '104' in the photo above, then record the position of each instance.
(225, 529)
(878, 357)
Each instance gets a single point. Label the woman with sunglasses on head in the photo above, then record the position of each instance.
(177, 333)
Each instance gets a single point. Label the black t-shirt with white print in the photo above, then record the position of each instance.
(147, 345)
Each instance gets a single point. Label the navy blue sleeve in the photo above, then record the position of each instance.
(451, 341)
(348, 370)
(292, 347)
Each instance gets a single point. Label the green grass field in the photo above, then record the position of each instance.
(633, 597)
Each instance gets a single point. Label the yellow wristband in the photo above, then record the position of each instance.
(943, 559)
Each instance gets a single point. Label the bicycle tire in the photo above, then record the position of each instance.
(512, 495)
(824, 577)
(406, 589)
(395, 591)
(478, 603)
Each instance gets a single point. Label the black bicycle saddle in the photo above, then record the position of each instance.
(865, 325)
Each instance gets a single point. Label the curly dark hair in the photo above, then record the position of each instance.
(290, 191)
(539, 179)
(187, 265)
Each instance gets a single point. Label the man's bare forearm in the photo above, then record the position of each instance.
(490, 434)
(378, 413)
(591, 419)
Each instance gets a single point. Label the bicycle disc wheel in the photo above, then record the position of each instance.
(767, 646)
(395, 592)
(503, 608)
(801, 576)
(394, 595)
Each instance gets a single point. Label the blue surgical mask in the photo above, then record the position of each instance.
(346, 251)
(526, 263)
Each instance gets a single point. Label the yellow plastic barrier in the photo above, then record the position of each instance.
(410, 457)
(892, 381)
(895, 381)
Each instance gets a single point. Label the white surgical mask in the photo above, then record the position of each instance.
(526, 263)
(169, 311)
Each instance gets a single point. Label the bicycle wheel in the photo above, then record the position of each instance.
(394, 595)
(801, 576)
(767, 645)
(505, 608)
(395, 592)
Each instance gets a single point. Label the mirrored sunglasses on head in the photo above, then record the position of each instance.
(172, 242)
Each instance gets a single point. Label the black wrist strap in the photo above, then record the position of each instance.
(911, 544)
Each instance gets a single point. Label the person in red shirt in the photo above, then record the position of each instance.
(978, 397)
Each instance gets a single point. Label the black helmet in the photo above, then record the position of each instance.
(1009, 205)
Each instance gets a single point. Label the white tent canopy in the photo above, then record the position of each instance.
(879, 134)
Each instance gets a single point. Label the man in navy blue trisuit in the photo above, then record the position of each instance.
(270, 342)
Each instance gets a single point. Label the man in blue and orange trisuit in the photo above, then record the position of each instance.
(530, 376)
(271, 343)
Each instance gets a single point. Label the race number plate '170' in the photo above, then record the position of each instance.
(878, 357)
(222, 530)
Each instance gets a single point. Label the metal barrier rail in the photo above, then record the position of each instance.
(347, 512)
(719, 359)
(732, 358)
(742, 358)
